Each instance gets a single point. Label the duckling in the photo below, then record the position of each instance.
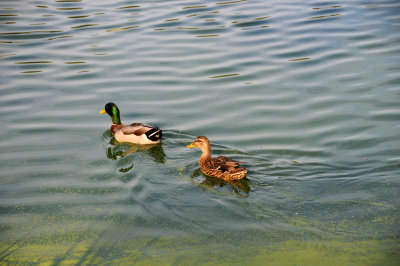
(221, 167)
(137, 133)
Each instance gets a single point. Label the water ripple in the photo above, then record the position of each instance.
(306, 94)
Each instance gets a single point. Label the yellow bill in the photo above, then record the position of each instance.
(102, 111)
(191, 145)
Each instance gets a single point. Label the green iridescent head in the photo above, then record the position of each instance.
(112, 110)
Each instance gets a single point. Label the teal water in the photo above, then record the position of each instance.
(307, 94)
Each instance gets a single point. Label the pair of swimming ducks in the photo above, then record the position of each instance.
(221, 167)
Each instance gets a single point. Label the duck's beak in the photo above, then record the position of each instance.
(191, 145)
(102, 111)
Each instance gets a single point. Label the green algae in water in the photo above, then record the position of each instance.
(115, 239)
(168, 251)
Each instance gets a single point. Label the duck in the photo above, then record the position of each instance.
(137, 133)
(221, 167)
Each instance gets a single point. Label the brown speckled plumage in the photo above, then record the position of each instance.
(221, 167)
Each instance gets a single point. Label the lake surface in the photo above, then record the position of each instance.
(307, 94)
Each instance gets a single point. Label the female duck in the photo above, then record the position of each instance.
(137, 133)
(221, 167)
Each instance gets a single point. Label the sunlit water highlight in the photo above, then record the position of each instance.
(307, 94)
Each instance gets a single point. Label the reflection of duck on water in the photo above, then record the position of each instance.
(156, 151)
(116, 150)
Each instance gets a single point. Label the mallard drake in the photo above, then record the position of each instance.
(221, 167)
(137, 133)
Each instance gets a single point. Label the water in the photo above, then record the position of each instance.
(307, 94)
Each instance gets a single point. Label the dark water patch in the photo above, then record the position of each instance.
(60, 37)
(33, 62)
(37, 34)
(299, 59)
(84, 26)
(230, 2)
(250, 23)
(225, 76)
(31, 72)
(127, 7)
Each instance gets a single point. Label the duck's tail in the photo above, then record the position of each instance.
(154, 134)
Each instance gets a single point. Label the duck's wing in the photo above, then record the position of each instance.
(135, 128)
(138, 129)
(226, 163)
(223, 159)
(213, 164)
